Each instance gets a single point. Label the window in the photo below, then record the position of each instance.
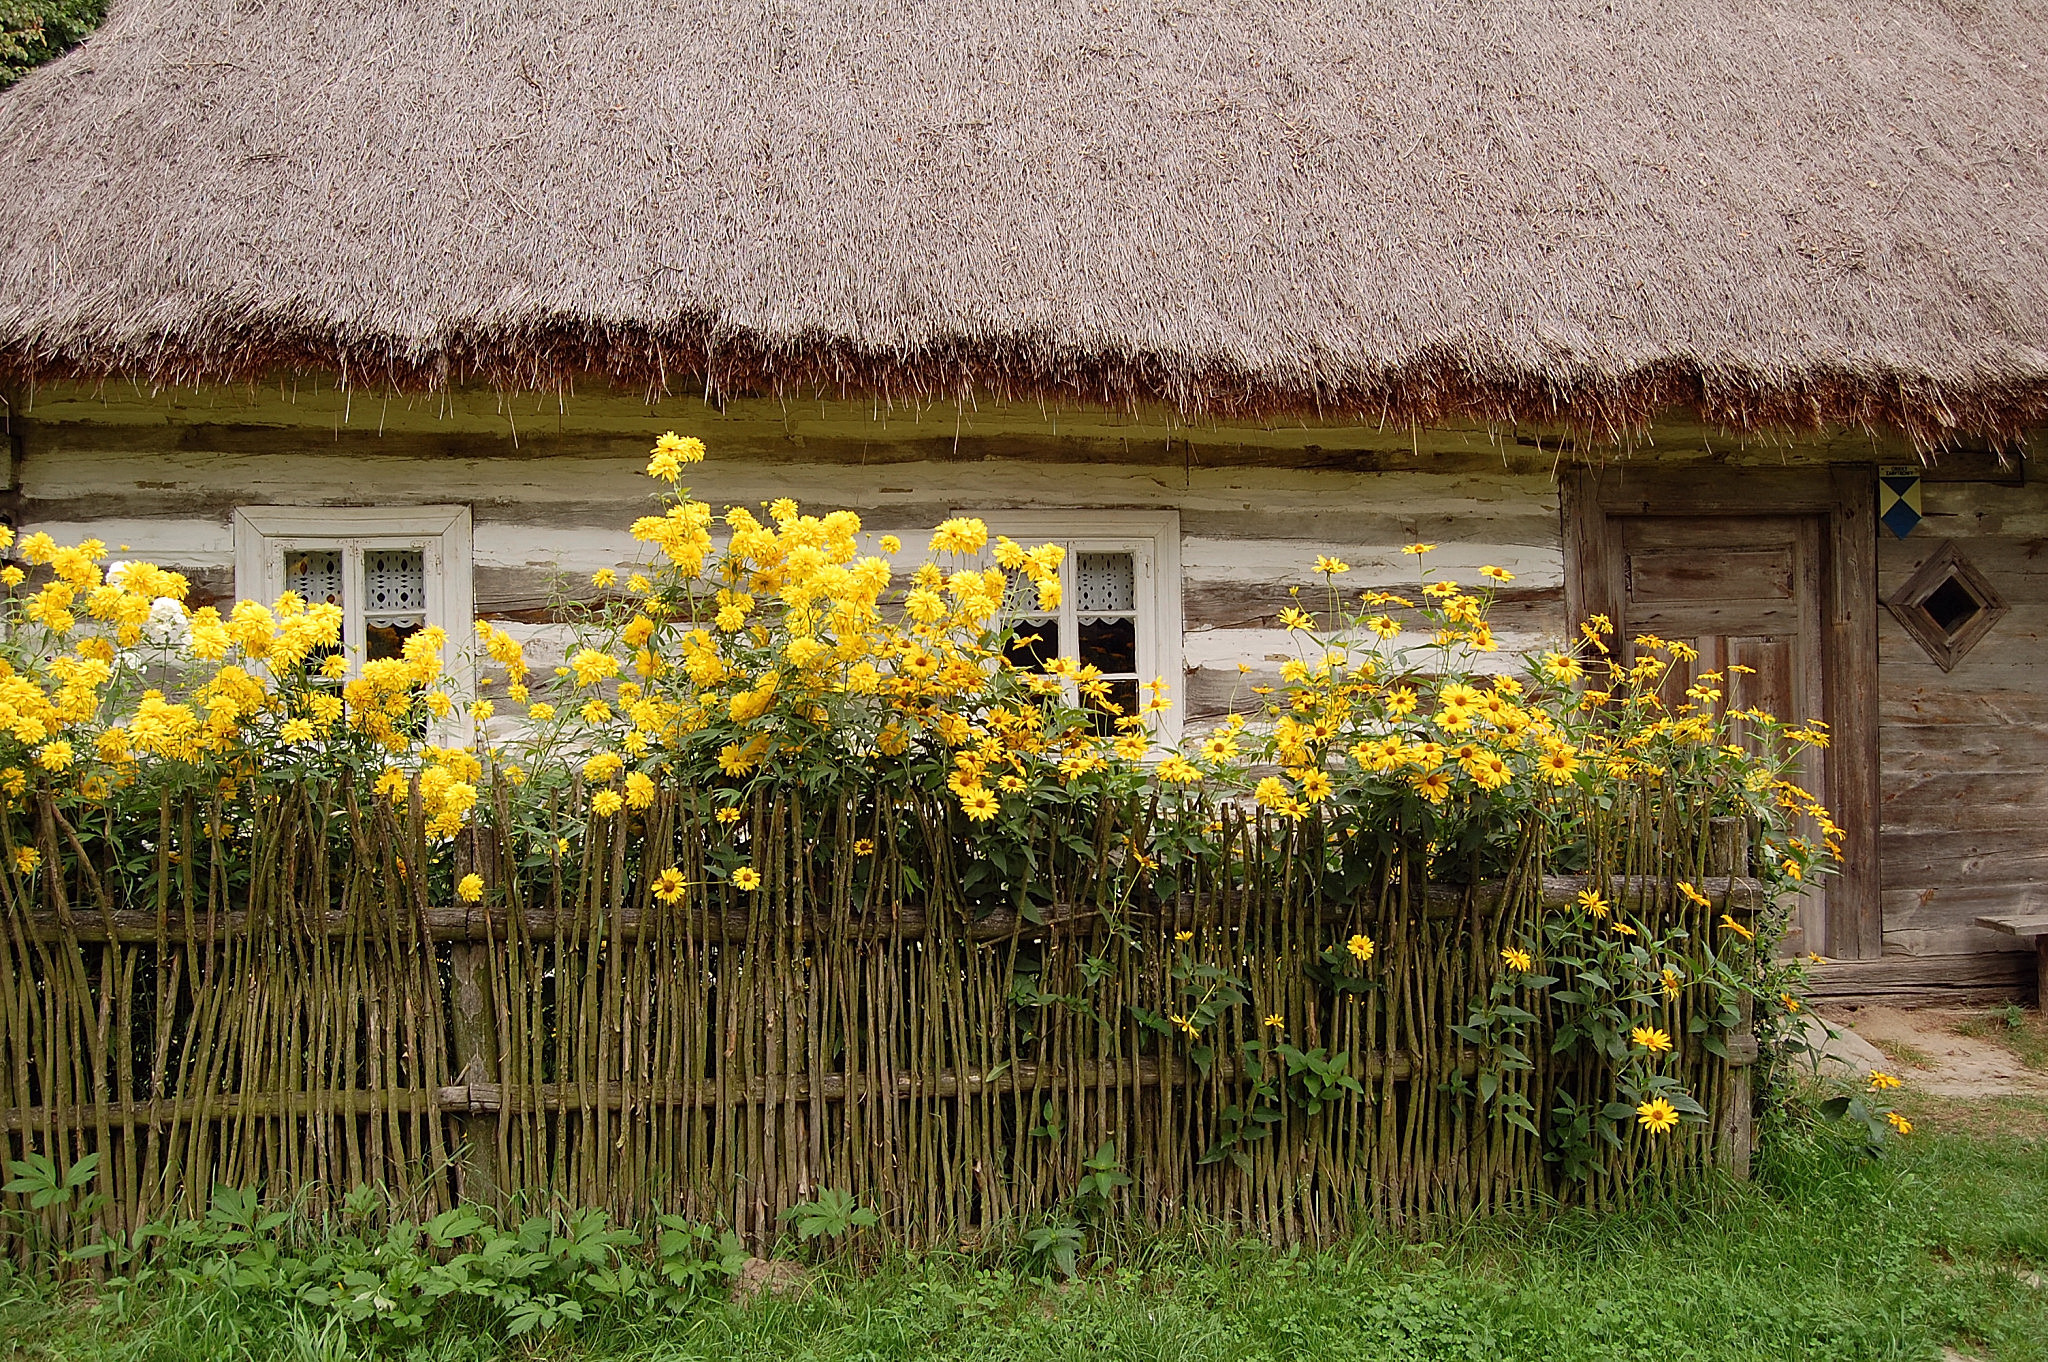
(1947, 606)
(1119, 598)
(392, 572)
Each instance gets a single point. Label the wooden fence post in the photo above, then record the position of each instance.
(1728, 854)
(473, 1024)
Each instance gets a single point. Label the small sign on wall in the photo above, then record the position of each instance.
(1898, 499)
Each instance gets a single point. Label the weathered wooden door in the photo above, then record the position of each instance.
(1745, 592)
(1760, 579)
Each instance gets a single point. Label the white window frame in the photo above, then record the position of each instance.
(1152, 538)
(441, 534)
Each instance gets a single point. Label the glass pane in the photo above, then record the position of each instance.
(388, 640)
(314, 575)
(1105, 583)
(1036, 643)
(1123, 695)
(394, 588)
(1111, 644)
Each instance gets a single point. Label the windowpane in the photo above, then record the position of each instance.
(313, 575)
(1110, 644)
(395, 587)
(1037, 642)
(394, 599)
(1122, 694)
(1105, 583)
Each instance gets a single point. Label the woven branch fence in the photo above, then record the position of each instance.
(282, 1001)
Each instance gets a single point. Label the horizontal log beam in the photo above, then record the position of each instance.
(1905, 980)
(1735, 893)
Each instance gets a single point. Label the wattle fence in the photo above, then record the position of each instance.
(290, 999)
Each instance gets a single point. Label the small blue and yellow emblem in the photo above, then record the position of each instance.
(1898, 500)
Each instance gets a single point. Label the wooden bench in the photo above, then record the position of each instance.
(2027, 928)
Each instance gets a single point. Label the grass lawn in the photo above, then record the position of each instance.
(1825, 1255)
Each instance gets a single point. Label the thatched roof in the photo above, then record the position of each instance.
(1764, 211)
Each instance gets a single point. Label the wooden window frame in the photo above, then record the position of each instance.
(1909, 606)
(1845, 495)
(442, 534)
(1152, 538)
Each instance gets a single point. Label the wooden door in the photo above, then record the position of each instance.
(1745, 592)
(1774, 571)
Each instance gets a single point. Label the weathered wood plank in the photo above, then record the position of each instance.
(1908, 979)
(2016, 926)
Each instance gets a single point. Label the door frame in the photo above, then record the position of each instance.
(1846, 495)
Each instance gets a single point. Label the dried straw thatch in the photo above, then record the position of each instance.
(1764, 211)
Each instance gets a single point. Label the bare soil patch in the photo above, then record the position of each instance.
(1952, 1052)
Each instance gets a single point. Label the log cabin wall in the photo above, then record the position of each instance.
(1965, 783)
(552, 487)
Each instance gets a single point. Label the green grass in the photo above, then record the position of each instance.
(1826, 1255)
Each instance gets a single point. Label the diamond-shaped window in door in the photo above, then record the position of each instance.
(1947, 606)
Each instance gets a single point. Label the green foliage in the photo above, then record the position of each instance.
(834, 1214)
(1827, 1255)
(34, 31)
(542, 1276)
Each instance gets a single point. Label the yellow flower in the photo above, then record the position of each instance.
(1880, 1081)
(1657, 1115)
(1185, 1025)
(1899, 1123)
(978, 804)
(296, 730)
(470, 889)
(1791, 1003)
(1293, 617)
(1361, 948)
(669, 885)
(1497, 574)
(603, 577)
(1590, 900)
(1517, 960)
(1331, 566)
(1671, 982)
(54, 756)
(1418, 549)
(864, 847)
(727, 815)
(606, 803)
(1696, 896)
(671, 452)
(1624, 929)
(639, 790)
(747, 878)
(1650, 1038)
(1732, 925)
(26, 859)
(1435, 786)
(1183, 936)
(540, 712)
(592, 666)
